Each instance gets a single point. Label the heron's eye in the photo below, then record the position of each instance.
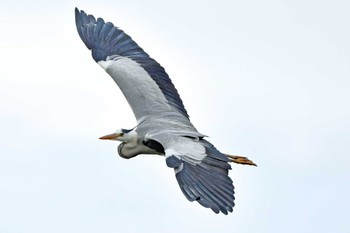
(121, 134)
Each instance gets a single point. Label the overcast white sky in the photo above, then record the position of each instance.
(266, 79)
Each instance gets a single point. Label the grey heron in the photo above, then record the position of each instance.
(163, 125)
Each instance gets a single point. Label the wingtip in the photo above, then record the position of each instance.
(77, 16)
(77, 11)
(82, 18)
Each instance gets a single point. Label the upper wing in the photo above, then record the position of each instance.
(144, 82)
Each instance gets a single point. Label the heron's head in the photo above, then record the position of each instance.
(123, 135)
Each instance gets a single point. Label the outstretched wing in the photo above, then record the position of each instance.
(207, 181)
(200, 169)
(143, 81)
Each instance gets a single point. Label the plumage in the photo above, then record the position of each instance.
(163, 125)
(114, 43)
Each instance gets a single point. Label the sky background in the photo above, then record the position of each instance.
(265, 79)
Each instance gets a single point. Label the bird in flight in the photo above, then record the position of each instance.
(163, 125)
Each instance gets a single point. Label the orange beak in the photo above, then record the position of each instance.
(112, 136)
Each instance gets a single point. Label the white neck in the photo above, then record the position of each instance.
(134, 148)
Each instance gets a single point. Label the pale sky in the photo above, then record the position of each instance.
(265, 79)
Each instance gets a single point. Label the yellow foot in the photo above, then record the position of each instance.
(240, 160)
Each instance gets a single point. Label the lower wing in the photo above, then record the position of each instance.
(205, 181)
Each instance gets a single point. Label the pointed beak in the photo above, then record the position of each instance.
(112, 136)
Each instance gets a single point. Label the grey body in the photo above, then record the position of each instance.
(163, 125)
